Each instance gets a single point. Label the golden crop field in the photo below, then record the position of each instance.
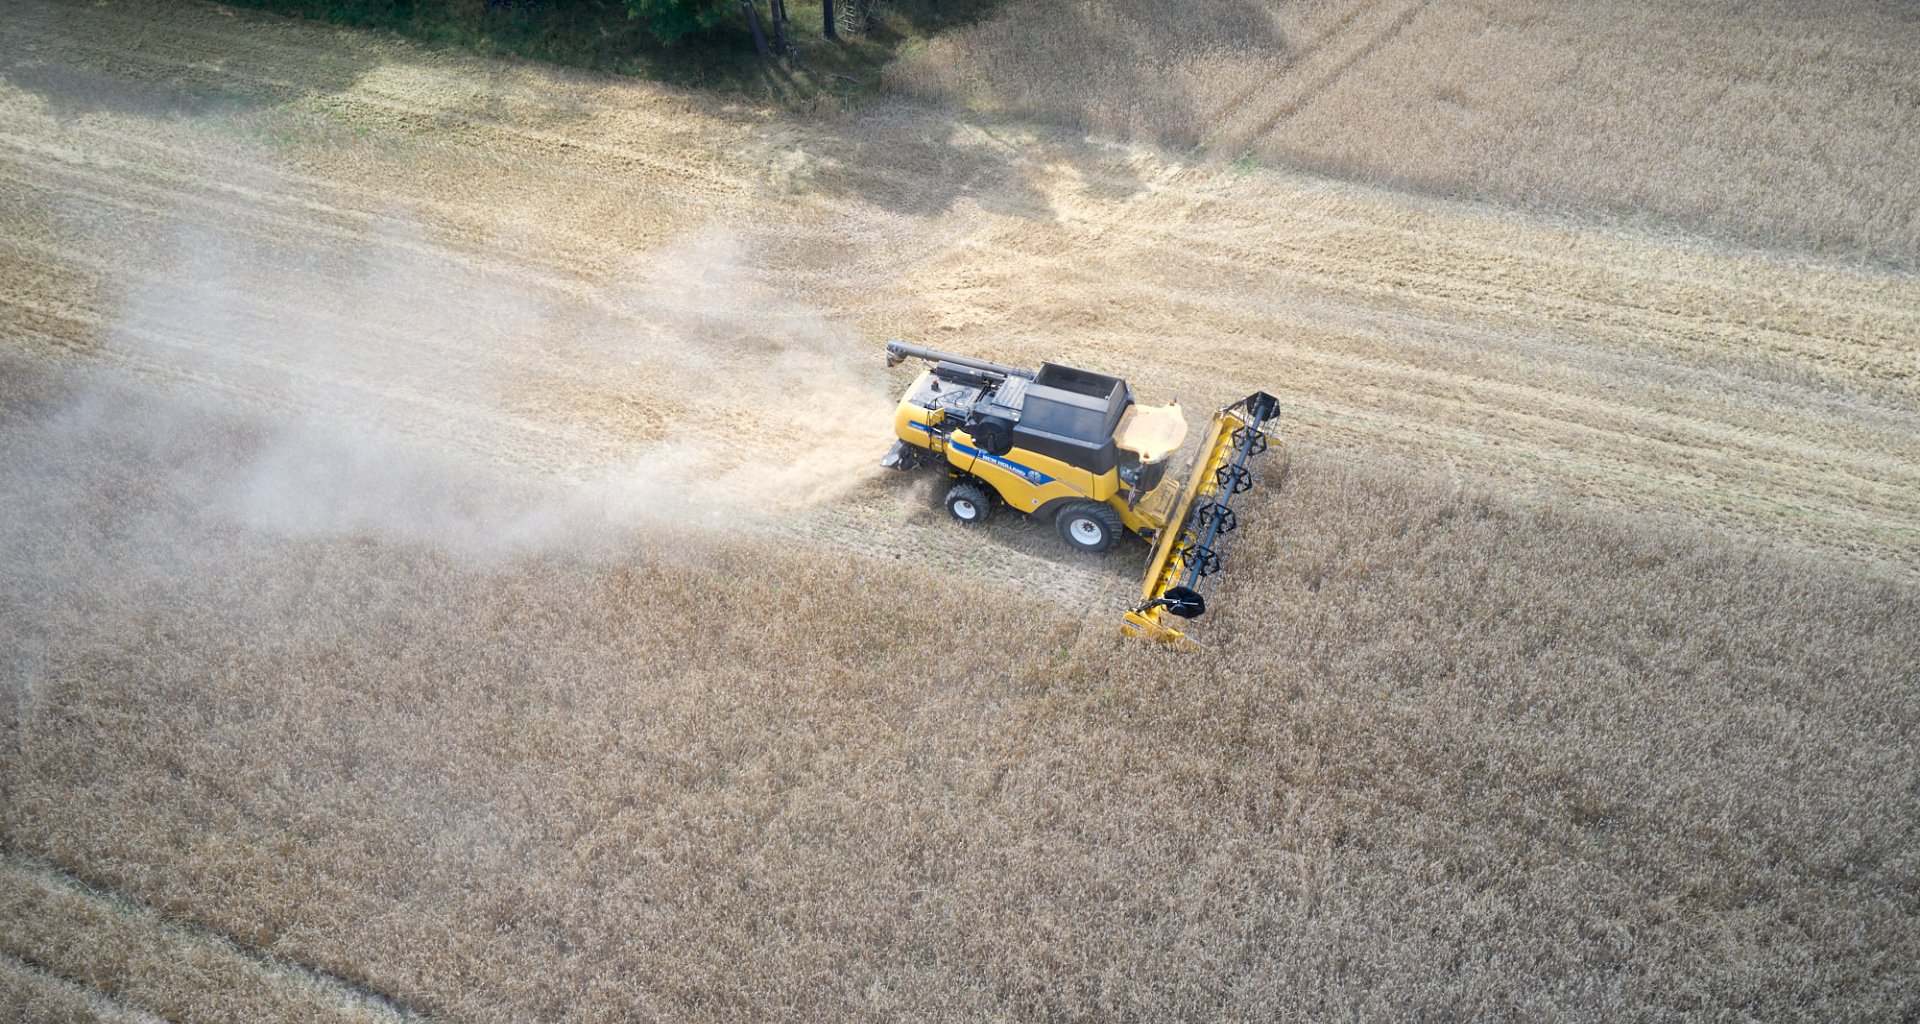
(1779, 122)
(445, 574)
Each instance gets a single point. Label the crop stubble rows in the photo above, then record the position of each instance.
(1387, 322)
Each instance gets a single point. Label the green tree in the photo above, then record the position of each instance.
(673, 20)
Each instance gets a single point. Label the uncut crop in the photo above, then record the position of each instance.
(1776, 123)
(1448, 756)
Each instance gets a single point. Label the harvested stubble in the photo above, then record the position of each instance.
(1779, 122)
(1449, 756)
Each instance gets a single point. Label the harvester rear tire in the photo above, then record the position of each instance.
(969, 503)
(1089, 526)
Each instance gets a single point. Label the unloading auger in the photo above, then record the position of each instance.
(1073, 446)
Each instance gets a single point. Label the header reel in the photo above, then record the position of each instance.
(1185, 556)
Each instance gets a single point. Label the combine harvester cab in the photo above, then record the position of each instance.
(1073, 446)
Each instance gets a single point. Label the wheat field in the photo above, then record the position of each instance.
(1781, 122)
(405, 613)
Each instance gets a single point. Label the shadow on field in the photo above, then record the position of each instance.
(1084, 67)
(896, 158)
(265, 75)
(198, 79)
(923, 495)
(1166, 73)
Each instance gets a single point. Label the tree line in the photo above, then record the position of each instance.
(673, 20)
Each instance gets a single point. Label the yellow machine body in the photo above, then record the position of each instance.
(1074, 444)
(1029, 481)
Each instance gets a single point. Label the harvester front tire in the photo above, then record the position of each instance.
(969, 503)
(1088, 526)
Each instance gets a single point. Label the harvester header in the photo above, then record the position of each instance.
(1074, 446)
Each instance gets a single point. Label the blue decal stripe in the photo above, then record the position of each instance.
(1031, 475)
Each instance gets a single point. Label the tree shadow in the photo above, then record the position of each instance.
(55, 52)
(276, 80)
(908, 158)
(1164, 74)
(1028, 122)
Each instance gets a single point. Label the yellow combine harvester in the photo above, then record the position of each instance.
(1073, 446)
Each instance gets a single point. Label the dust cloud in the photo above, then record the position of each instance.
(780, 408)
(247, 401)
(391, 391)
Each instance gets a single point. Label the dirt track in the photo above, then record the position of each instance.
(582, 276)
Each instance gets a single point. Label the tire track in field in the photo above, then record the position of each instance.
(1235, 103)
(1362, 33)
(1810, 474)
(37, 993)
(1542, 352)
(1487, 269)
(262, 67)
(879, 519)
(1333, 281)
(1608, 297)
(97, 940)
